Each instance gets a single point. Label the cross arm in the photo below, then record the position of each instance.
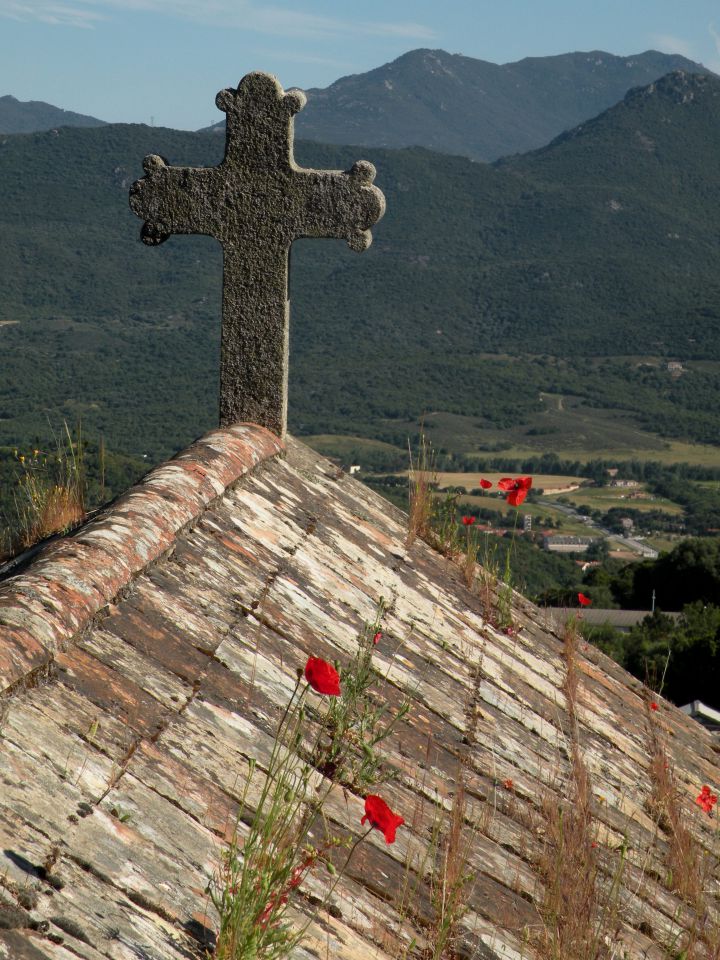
(340, 204)
(173, 200)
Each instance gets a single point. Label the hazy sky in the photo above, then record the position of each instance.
(137, 60)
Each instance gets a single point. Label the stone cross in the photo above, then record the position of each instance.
(256, 202)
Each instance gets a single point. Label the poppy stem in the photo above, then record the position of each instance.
(278, 737)
(338, 877)
(341, 872)
(287, 707)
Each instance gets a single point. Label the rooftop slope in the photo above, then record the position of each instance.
(148, 655)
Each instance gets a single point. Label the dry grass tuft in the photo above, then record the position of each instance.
(449, 882)
(568, 865)
(51, 493)
(685, 875)
(434, 896)
(62, 508)
(431, 518)
(421, 480)
(577, 923)
(689, 866)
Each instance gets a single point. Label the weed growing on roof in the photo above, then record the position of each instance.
(568, 864)
(120, 813)
(434, 896)
(449, 880)
(580, 915)
(691, 869)
(496, 591)
(260, 870)
(431, 518)
(422, 478)
(51, 491)
(495, 585)
(264, 866)
(469, 563)
(356, 722)
(441, 867)
(435, 520)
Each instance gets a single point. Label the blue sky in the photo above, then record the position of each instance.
(164, 60)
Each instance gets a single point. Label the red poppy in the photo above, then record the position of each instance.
(584, 601)
(322, 677)
(653, 705)
(508, 784)
(468, 521)
(380, 816)
(519, 483)
(377, 637)
(517, 489)
(706, 800)
(485, 484)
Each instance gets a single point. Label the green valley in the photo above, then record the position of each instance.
(565, 300)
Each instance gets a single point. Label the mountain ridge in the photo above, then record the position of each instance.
(602, 243)
(461, 105)
(35, 116)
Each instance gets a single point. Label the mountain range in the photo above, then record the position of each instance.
(30, 116)
(461, 105)
(577, 269)
(445, 102)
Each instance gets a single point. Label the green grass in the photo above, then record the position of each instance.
(664, 542)
(604, 498)
(572, 430)
(358, 450)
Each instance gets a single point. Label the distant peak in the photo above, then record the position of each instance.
(424, 55)
(680, 86)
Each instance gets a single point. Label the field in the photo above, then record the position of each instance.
(570, 490)
(549, 482)
(569, 429)
(663, 543)
(351, 449)
(540, 513)
(564, 426)
(604, 498)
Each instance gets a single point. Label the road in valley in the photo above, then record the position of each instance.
(630, 543)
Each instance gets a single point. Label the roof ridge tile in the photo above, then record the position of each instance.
(73, 578)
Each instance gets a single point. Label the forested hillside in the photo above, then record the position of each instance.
(577, 270)
(28, 116)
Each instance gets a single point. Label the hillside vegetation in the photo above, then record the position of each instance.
(574, 271)
(28, 116)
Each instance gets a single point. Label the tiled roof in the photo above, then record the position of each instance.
(146, 657)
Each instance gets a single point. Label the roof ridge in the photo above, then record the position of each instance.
(74, 577)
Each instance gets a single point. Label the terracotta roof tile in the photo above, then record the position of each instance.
(75, 578)
(147, 657)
